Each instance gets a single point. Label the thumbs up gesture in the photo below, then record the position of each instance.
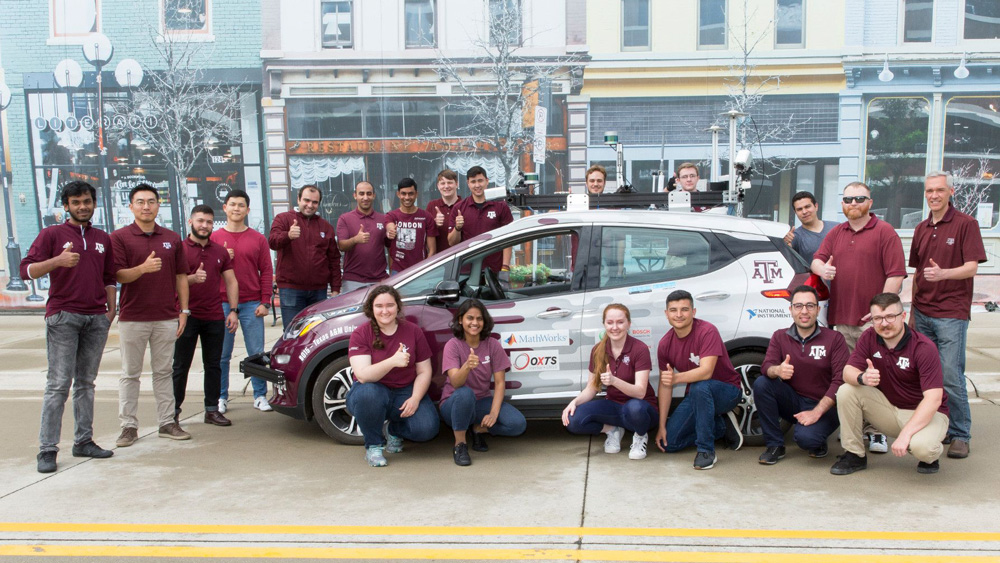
(667, 377)
(232, 254)
(459, 222)
(473, 361)
(200, 275)
(294, 231)
(933, 273)
(829, 270)
(871, 375)
(390, 231)
(362, 237)
(606, 378)
(789, 237)
(439, 217)
(68, 258)
(152, 264)
(786, 369)
(401, 358)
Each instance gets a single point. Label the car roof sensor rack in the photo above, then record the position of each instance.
(661, 200)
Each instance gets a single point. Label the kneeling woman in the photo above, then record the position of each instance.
(471, 360)
(392, 369)
(621, 363)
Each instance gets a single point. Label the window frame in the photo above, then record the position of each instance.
(659, 276)
(802, 31)
(725, 34)
(961, 31)
(519, 6)
(71, 38)
(434, 25)
(205, 34)
(649, 28)
(902, 24)
(350, 43)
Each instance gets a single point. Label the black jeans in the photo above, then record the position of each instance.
(212, 334)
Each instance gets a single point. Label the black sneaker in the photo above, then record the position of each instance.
(46, 462)
(734, 438)
(479, 442)
(849, 463)
(90, 449)
(461, 455)
(926, 468)
(704, 460)
(819, 452)
(771, 455)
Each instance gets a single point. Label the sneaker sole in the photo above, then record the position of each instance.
(123, 444)
(110, 453)
(770, 462)
(928, 470)
(707, 466)
(636, 457)
(847, 471)
(172, 437)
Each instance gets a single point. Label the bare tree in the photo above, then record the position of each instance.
(973, 182)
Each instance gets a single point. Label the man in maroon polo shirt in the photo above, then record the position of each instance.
(78, 259)
(211, 265)
(413, 232)
(894, 380)
(802, 370)
(440, 209)
(308, 257)
(153, 273)
(474, 216)
(946, 251)
(361, 234)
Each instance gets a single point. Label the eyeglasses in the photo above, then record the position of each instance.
(688, 176)
(856, 199)
(808, 306)
(886, 319)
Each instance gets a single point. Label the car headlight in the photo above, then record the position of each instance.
(301, 327)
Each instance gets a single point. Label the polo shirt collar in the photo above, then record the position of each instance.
(793, 331)
(187, 240)
(360, 214)
(948, 215)
(871, 222)
(907, 334)
(136, 230)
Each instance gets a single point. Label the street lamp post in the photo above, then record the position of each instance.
(14, 281)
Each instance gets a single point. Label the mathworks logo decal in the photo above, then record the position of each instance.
(534, 339)
(534, 361)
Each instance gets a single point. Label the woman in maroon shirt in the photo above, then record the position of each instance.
(621, 363)
(392, 370)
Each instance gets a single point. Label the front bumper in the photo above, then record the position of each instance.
(259, 365)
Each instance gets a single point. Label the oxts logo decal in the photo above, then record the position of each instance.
(534, 361)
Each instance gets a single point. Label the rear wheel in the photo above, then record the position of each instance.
(329, 402)
(747, 366)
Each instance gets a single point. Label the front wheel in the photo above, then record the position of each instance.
(329, 402)
(747, 366)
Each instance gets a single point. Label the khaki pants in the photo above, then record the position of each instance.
(851, 333)
(160, 336)
(856, 404)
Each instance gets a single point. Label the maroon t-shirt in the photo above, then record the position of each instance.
(251, 263)
(365, 262)
(152, 297)
(864, 260)
(634, 357)
(407, 334)
(685, 354)
(443, 230)
(905, 371)
(310, 262)
(81, 289)
(479, 219)
(492, 358)
(818, 360)
(412, 231)
(204, 299)
(951, 242)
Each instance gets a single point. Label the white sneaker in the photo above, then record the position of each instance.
(223, 406)
(261, 404)
(613, 443)
(638, 449)
(878, 444)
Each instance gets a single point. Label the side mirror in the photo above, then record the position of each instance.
(447, 291)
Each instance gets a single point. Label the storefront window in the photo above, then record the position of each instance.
(972, 155)
(982, 19)
(896, 158)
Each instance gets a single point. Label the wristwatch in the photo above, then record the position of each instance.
(186, 312)
(861, 379)
(267, 306)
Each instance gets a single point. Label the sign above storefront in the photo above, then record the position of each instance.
(399, 146)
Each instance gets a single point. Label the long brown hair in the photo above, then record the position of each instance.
(369, 310)
(599, 354)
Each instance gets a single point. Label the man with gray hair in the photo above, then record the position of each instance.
(946, 251)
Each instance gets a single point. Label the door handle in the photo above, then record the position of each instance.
(554, 314)
(712, 296)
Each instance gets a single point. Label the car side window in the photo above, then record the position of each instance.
(425, 283)
(539, 265)
(631, 256)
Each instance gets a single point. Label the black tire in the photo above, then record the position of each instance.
(747, 366)
(329, 402)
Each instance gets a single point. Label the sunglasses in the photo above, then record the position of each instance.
(856, 199)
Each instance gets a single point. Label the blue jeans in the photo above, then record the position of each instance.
(697, 421)
(949, 336)
(775, 400)
(635, 415)
(294, 300)
(462, 410)
(252, 327)
(373, 403)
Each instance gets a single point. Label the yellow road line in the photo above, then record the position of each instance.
(465, 554)
(576, 532)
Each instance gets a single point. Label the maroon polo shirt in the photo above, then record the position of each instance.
(442, 232)
(905, 371)
(951, 242)
(685, 354)
(204, 301)
(83, 288)
(492, 358)
(251, 263)
(407, 334)
(365, 262)
(310, 262)
(819, 360)
(152, 297)
(479, 219)
(634, 357)
(864, 260)
(412, 231)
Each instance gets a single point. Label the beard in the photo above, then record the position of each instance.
(199, 236)
(853, 213)
(81, 218)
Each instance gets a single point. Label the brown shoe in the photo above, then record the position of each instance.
(128, 437)
(216, 418)
(174, 432)
(959, 449)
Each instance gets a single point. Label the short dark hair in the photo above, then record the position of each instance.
(406, 183)
(679, 295)
(456, 323)
(303, 189)
(477, 171)
(143, 187)
(804, 289)
(237, 193)
(77, 188)
(447, 174)
(206, 209)
(803, 195)
(883, 300)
